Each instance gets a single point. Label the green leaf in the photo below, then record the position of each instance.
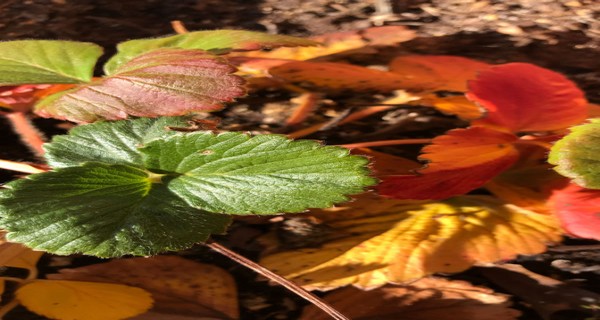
(103, 210)
(163, 82)
(110, 142)
(143, 186)
(577, 155)
(47, 61)
(267, 174)
(216, 41)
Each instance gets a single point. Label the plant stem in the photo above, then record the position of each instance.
(28, 133)
(20, 167)
(8, 307)
(318, 302)
(380, 143)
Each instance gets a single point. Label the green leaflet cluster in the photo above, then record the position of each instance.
(141, 186)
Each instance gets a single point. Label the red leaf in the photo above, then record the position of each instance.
(525, 97)
(437, 72)
(461, 160)
(163, 82)
(578, 210)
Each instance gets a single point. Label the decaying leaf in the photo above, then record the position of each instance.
(163, 82)
(178, 286)
(460, 161)
(17, 255)
(578, 210)
(425, 299)
(72, 300)
(449, 73)
(525, 97)
(381, 241)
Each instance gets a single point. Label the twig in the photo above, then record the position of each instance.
(28, 133)
(8, 307)
(318, 302)
(19, 167)
(306, 104)
(380, 143)
(179, 27)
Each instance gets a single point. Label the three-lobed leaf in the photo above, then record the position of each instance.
(215, 41)
(47, 61)
(118, 189)
(164, 82)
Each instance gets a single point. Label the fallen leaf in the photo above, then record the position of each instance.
(449, 73)
(381, 241)
(525, 97)
(18, 256)
(425, 299)
(72, 300)
(460, 161)
(578, 210)
(163, 82)
(324, 76)
(455, 105)
(178, 286)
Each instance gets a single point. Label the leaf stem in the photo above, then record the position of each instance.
(8, 307)
(20, 167)
(28, 133)
(380, 143)
(318, 302)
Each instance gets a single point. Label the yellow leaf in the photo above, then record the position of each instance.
(178, 286)
(384, 240)
(77, 300)
(425, 299)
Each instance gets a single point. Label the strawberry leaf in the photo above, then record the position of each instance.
(124, 188)
(216, 41)
(164, 82)
(525, 97)
(103, 210)
(577, 155)
(47, 61)
(577, 210)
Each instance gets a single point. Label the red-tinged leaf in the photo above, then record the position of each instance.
(164, 82)
(461, 160)
(578, 210)
(337, 76)
(525, 97)
(21, 97)
(449, 73)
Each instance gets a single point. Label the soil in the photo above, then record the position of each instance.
(563, 35)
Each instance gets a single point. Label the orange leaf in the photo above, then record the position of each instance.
(461, 160)
(378, 241)
(178, 286)
(425, 299)
(337, 76)
(525, 97)
(448, 73)
(578, 210)
(456, 105)
(18, 256)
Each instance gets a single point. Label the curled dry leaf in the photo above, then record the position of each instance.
(425, 299)
(460, 161)
(448, 73)
(525, 97)
(17, 255)
(178, 286)
(381, 241)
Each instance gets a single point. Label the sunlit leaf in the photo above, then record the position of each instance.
(577, 155)
(449, 73)
(165, 82)
(47, 61)
(578, 210)
(214, 41)
(326, 76)
(178, 286)
(525, 97)
(460, 161)
(425, 299)
(397, 241)
(72, 300)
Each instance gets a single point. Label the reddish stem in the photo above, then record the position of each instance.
(380, 143)
(28, 133)
(318, 302)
